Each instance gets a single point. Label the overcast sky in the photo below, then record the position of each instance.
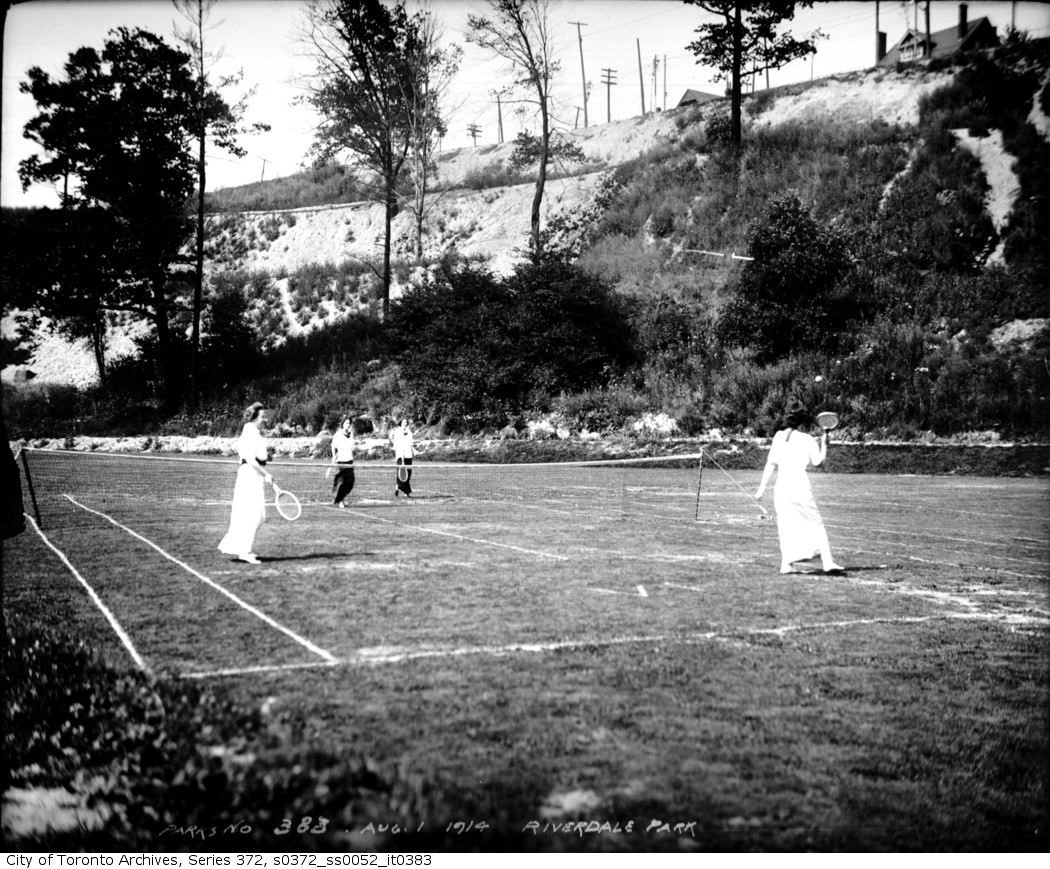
(261, 37)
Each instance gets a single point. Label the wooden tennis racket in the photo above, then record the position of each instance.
(828, 420)
(286, 503)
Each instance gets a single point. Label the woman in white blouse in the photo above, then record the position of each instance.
(799, 526)
(401, 438)
(249, 498)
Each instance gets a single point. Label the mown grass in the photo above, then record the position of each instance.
(901, 707)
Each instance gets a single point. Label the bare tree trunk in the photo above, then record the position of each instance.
(164, 347)
(736, 131)
(198, 273)
(98, 347)
(389, 212)
(541, 178)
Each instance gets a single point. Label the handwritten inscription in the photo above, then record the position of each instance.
(317, 825)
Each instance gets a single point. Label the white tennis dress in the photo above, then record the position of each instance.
(249, 497)
(799, 526)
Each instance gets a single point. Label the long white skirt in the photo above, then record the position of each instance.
(247, 513)
(799, 526)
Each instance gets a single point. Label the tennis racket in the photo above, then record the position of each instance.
(402, 471)
(828, 420)
(287, 504)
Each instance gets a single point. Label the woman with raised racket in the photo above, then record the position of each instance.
(401, 438)
(248, 511)
(799, 526)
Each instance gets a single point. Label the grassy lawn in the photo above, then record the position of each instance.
(598, 663)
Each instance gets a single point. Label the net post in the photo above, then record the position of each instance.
(699, 480)
(29, 485)
(623, 492)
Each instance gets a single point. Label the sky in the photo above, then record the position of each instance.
(262, 38)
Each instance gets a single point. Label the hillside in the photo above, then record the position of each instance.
(492, 224)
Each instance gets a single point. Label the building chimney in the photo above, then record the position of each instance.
(963, 27)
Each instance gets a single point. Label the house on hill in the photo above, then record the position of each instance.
(964, 36)
(696, 98)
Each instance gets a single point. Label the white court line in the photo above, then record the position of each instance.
(241, 603)
(262, 668)
(387, 655)
(456, 536)
(113, 623)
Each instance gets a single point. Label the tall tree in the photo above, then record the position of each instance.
(745, 42)
(519, 32)
(363, 51)
(435, 67)
(217, 120)
(117, 127)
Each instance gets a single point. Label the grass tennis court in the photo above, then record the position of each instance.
(612, 646)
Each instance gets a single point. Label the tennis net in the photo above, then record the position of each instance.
(55, 482)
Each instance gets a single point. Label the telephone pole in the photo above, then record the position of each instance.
(499, 118)
(652, 93)
(608, 79)
(641, 79)
(474, 130)
(583, 74)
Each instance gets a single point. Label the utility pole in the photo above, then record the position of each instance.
(665, 82)
(608, 79)
(474, 130)
(583, 74)
(262, 174)
(652, 93)
(929, 47)
(576, 124)
(499, 117)
(641, 80)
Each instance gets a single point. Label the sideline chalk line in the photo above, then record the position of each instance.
(113, 623)
(241, 603)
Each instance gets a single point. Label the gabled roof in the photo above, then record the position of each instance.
(979, 34)
(697, 97)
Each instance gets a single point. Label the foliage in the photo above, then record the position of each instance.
(474, 347)
(118, 127)
(745, 42)
(369, 93)
(786, 299)
(156, 753)
(528, 151)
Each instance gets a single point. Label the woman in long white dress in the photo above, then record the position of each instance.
(799, 526)
(248, 511)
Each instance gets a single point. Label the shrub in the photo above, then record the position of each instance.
(471, 344)
(601, 410)
(784, 301)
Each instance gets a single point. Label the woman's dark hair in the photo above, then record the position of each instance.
(797, 415)
(252, 410)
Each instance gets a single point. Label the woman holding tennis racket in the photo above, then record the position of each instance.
(799, 526)
(401, 437)
(249, 497)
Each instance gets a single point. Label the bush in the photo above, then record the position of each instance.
(784, 301)
(601, 410)
(473, 347)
